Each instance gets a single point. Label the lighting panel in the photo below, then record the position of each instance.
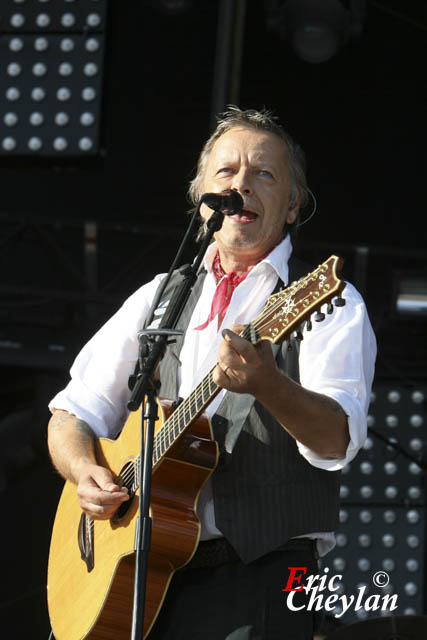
(51, 75)
(382, 516)
(379, 473)
(389, 540)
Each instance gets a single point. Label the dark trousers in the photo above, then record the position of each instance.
(234, 601)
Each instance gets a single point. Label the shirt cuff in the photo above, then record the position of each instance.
(89, 407)
(357, 426)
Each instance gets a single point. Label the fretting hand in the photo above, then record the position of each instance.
(243, 367)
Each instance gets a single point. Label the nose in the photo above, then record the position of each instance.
(242, 181)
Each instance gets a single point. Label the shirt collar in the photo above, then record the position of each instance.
(277, 260)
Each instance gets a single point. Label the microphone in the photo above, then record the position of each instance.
(230, 201)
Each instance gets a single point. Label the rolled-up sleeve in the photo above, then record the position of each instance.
(98, 390)
(337, 359)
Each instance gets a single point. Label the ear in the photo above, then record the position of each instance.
(293, 211)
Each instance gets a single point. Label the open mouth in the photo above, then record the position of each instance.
(245, 216)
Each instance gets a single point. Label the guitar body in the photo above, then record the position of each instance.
(95, 600)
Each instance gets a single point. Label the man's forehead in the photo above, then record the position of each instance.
(259, 143)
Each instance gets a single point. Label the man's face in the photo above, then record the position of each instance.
(254, 163)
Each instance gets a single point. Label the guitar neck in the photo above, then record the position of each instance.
(190, 408)
(187, 411)
(282, 314)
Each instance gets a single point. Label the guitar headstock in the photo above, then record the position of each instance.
(286, 310)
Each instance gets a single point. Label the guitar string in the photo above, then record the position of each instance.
(198, 395)
(167, 434)
(178, 417)
(206, 384)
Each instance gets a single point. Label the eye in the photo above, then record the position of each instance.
(264, 173)
(225, 170)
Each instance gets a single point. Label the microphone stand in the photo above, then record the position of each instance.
(153, 343)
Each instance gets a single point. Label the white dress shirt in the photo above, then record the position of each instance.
(336, 359)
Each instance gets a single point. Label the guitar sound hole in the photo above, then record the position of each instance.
(127, 478)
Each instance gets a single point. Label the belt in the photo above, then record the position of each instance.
(213, 553)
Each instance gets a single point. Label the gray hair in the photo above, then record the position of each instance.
(263, 120)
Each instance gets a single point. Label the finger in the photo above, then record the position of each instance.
(100, 504)
(95, 498)
(224, 366)
(112, 487)
(264, 350)
(97, 512)
(101, 497)
(240, 346)
(238, 328)
(220, 377)
(235, 350)
(101, 478)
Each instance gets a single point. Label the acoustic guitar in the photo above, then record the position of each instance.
(91, 562)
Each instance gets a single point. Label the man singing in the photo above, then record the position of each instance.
(286, 421)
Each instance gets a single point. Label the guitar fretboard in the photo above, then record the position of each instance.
(282, 314)
(187, 411)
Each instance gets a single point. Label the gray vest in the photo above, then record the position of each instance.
(264, 491)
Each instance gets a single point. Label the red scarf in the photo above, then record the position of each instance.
(224, 291)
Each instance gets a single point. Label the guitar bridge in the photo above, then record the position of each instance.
(85, 538)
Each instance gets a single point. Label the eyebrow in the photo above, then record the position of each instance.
(257, 163)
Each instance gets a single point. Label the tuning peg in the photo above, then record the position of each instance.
(309, 326)
(330, 308)
(298, 335)
(339, 302)
(289, 345)
(319, 316)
